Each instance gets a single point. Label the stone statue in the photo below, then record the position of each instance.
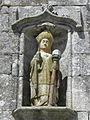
(43, 77)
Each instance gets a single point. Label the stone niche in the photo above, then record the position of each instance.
(62, 29)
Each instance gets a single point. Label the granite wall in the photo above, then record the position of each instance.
(10, 60)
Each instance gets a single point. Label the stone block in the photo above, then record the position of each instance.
(69, 93)
(22, 43)
(81, 93)
(83, 116)
(4, 42)
(33, 2)
(80, 42)
(4, 22)
(11, 2)
(86, 64)
(14, 42)
(6, 115)
(24, 2)
(4, 10)
(20, 92)
(8, 92)
(68, 2)
(13, 15)
(17, 13)
(84, 12)
(80, 64)
(76, 65)
(88, 17)
(5, 91)
(81, 83)
(29, 11)
(8, 43)
(4, 16)
(21, 65)
(5, 64)
(13, 93)
(15, 65)
(71, 12)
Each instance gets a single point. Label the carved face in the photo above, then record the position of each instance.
(45, 45)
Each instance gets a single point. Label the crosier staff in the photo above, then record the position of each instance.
(56, 54)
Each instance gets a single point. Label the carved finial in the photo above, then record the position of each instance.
(44, 7)
(49, 8)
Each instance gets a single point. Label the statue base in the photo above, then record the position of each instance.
(44, 113)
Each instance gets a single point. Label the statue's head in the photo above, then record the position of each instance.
(45, 40)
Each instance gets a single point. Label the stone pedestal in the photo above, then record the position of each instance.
(44, 113)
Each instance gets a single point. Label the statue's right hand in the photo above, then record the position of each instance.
(38, 57)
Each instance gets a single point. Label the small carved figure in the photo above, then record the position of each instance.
(44, 73)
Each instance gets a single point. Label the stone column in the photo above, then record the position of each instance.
(69, 81)
(20, 78)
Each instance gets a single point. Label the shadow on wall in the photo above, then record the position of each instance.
(62, 91)
(30, 49)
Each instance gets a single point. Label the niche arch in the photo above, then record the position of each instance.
(28, 28)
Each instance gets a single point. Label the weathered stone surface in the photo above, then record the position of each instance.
(81, 93)
(6, 115)
(80, 42)
(88, 20)
(88, 16)
(8, 92)
(68, 2)
(40, 2)
(6, 2)
(81, 84)
(44, 113)
(69, 93)
(13, 93)
(80, 64)
(13, 15)
(25, 2)
(22, 41)
(17, 13)
(34, 2)
(76, 65)
(8, 43)
(4, 10)
(5, 64)
(15, 65)
(20, 93)
(68, 12)
(14, 42)
(29, 11)
(5, 91)
(4, 42)
(4, 21)
(84, 18)
(82, 115)
(21, 65)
